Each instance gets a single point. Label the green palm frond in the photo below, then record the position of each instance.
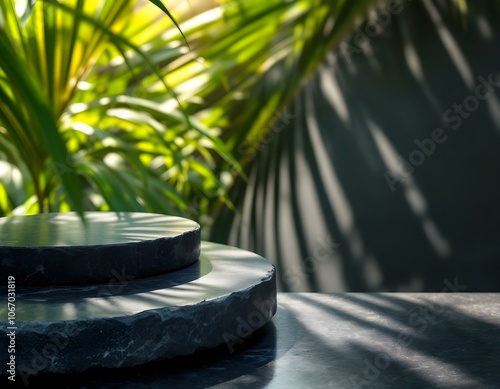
(74, 110)
(104, 106)
(249, 58)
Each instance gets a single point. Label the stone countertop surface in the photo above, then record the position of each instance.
(347, 340)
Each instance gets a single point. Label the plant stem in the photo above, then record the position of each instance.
(39, 194)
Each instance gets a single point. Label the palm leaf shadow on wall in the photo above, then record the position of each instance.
(329, 199)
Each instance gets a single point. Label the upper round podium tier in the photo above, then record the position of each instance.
(58, 248)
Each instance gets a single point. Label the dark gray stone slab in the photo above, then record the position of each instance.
(345, 341)
(222, 299)
(51, 249)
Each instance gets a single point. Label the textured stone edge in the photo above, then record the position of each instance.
(101, 263)
(76, 346)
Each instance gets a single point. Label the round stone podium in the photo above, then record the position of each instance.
(221, 297)
(58, 248)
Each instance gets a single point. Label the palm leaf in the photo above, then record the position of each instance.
(66, 96)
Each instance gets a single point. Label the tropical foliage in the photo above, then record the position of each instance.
(107, 105)
(103, 105)
(76, 108)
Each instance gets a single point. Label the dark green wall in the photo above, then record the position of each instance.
(319, 204)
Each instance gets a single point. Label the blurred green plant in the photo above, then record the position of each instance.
(78, 128)
(103, 105)
(249, 59)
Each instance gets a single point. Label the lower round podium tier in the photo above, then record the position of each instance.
(220, 299)
(58, 248)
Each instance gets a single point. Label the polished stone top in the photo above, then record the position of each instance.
(353, 340)
(60, 249)
(100, 228)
